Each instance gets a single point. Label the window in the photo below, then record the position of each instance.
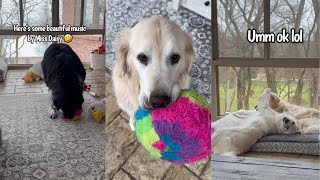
(94, 12)
(296, 14)
(14, 47)
(294, 85)
(241, 70)
(36, 12)
(16, 50)
(234, 18)
(9, 14)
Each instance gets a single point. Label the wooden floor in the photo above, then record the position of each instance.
(284, 156)
(236, 167)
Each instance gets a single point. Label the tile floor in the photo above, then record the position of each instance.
(14, 85)
(127, 159)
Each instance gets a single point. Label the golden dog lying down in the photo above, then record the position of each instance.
(308, 119)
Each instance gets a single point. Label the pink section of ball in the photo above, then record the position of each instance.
(159, 145)
(193, 119)
(77, 113)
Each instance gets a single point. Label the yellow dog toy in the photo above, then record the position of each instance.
(98, 110)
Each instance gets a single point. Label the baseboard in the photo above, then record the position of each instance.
(27, 66)
(19, 66)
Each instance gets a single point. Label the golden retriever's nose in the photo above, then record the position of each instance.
(159, 100)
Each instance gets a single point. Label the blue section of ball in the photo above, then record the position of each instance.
(170, 156)
(140, 114)
(168, 141)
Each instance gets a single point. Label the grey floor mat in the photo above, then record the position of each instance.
(302, 138)
(37, 147)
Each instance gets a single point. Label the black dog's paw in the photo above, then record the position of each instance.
(53, 112)
(53, 116)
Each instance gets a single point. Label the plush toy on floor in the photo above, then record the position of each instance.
(179, 133)
(77, 115)
(87, 88)
(98, 110)
(33, 74)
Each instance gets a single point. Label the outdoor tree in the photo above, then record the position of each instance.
(34, 13)
(298, 86)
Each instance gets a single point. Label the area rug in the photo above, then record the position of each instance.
(123, 13)
(37, 147)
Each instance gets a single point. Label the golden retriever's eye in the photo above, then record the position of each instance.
(143, 58)
(174, 59)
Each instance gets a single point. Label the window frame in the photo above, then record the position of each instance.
(55, 22)
(265, 61)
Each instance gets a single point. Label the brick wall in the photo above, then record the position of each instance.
(69, 12)
(83, 44)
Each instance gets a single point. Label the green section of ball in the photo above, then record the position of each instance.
(147, 135)
(194, 97)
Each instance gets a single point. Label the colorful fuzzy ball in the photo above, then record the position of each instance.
(77, 115)
(179, 133)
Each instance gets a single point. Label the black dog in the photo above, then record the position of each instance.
(64, 74)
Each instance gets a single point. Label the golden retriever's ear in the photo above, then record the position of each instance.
(122, 50)
(189, 55)
(274, 98)
(274, 102)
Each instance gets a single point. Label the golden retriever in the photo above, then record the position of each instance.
(153, 63)
(308, 119)
(238, 140)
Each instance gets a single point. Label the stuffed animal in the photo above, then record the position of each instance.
(87, 88)
(33, 74)
(179, 133)
(3, 70)
(98, 110)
